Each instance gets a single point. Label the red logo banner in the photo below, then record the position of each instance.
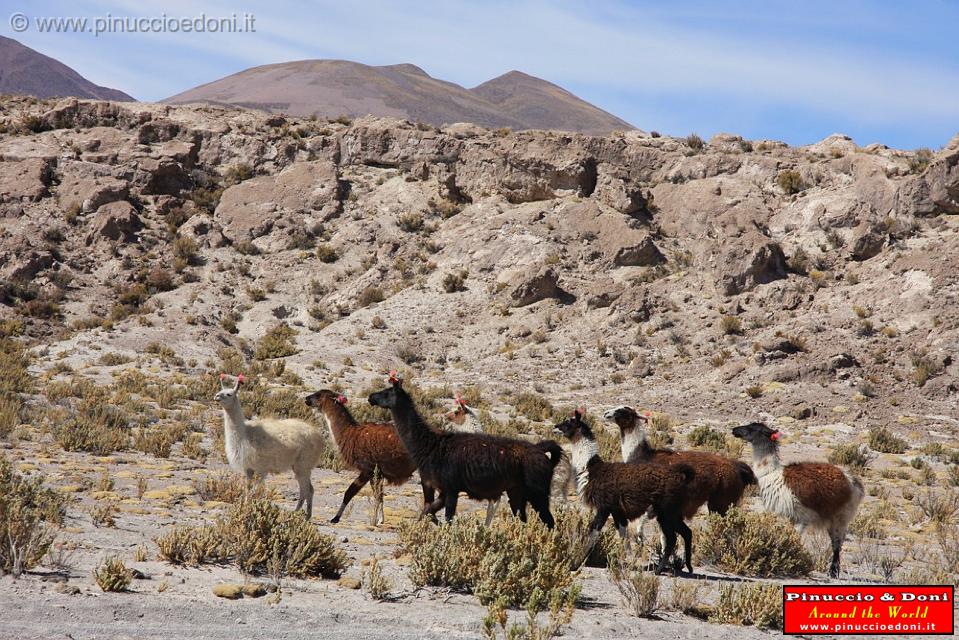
(872, 610)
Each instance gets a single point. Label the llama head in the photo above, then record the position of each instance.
(325, 398)
(757, 433)
(574, 427)
(460, 411)
(626, 418)
(228, 394)
(388, 397)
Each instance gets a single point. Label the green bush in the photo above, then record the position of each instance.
(753, 544)
(29, 516)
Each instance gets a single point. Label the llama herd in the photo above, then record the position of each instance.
(669, 486)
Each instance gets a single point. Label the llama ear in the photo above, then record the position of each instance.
(223, 381)
(239, 380)
(341, 399)
(395, 378)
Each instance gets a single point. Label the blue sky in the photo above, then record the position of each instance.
(879, 71)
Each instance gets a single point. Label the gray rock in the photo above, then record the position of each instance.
(115, 222)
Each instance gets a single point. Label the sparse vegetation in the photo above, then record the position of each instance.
(851, 455)
(790, 182)
(112, 575)
(30, 514)
(753, 544)
(278, 342)
(757, 604)
(456, 281)
(883, 440)
(370, 295)
(731, 326)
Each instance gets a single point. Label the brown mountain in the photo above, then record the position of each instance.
(331, 88)
(530, 99)
(28, 72)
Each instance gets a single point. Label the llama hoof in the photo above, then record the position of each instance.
(334, 519)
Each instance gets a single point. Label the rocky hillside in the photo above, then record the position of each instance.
(24, 71)
(334, 88)
(718, 280)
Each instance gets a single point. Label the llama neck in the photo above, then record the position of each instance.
(472, 423)
(766, 457)
(338, 419)
(417, 437)
(234, 431)
(584, 450)
(634, 444)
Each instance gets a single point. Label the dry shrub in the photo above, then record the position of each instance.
(14, 360)
(885, 441)
(158, 442)
(790, 181)
(221, 486)
(533, 406)
(375, 583)
(851, 455)
(10, 408)
(29, 516)
(639, 589)
(753, 544)
(278, 342)
(103, 514)
(260, 538)
(572, 527)
(505, 563)
(558, 604)
(113, 575)
(96, 426)
(756, 604)
(191, 546)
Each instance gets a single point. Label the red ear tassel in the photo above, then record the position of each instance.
(341, 399)
(775, 435)
(240, 378)
(222, 377)
(394, 376)
(460, 401)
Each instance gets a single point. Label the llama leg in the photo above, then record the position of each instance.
(687, 535)
(541, 505)
(351, 491)
(491, 510)
(836, 535)
(306, 492)
(517, 504)
(622, 526)
(595, 527)
(428, 497)
(669, 536)
(436, 505)
(451, 501)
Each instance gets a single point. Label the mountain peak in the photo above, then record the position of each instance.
(28, 72)
(330, 88)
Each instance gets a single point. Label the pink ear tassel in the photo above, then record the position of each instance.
(222, 377)
(240, 378)
(341, 399)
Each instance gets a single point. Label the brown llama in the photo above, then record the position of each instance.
(365, 447)
(719, 483)
(815, 494)
(626, 491)
(480, 465)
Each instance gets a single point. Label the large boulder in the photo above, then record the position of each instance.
(936, 190)
(536, 285)
(645, 253)
(89, 194)
(747, 262)
(163, 176)
(24, 180)
(304, 189)
(614, 190)
(114, 222)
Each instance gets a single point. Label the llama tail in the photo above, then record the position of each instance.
(746, 475)
(552, 450)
